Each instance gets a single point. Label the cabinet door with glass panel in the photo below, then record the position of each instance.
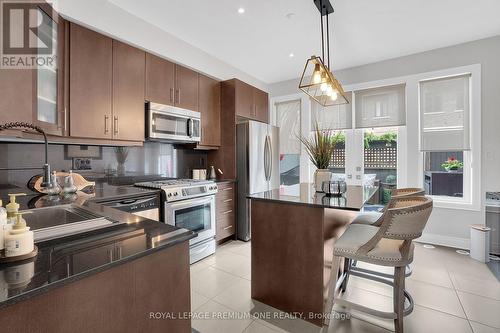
(48, 102)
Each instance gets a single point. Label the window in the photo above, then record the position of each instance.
(380, 107)
(445, 137)
(288, 120)
(381, 160)
(443, 173)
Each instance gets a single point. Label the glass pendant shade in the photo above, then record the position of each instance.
(318, 82)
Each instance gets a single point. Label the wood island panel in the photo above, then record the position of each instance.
(292, 253)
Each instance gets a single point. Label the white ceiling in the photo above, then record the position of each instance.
(259, 41)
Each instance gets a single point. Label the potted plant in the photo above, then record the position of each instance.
(452, 164)
(320, 148)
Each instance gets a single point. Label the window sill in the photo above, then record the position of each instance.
(439, 202)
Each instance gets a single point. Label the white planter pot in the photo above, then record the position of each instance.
(320, 176)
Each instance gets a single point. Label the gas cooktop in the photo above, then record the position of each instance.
(173, 183)
(181, 189)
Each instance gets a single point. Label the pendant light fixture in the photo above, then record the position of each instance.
(317, 79)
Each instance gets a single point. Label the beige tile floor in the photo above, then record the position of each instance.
(452, 293)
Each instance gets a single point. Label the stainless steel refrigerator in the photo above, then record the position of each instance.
(257, 151)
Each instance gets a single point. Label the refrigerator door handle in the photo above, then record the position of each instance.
(266, 158)
(269, 158)
(270, 163)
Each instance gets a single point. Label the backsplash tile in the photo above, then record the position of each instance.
(21, 161)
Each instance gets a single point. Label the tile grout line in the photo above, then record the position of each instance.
(423, 306)
(459, 300)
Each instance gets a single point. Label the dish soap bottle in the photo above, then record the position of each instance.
(12, 208)
(3, 224)
(19, 240)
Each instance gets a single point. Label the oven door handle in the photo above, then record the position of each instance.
(189, 203)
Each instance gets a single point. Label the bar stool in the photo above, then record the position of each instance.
(373, 217)
(389, 244)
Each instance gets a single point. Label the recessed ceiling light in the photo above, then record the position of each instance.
(241, 10)
(291, 55)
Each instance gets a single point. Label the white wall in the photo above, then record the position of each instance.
(111, 20)
(447, 226)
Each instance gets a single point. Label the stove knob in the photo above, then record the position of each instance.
(169, 195)
(175, 194)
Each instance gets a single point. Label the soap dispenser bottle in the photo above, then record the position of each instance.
(3, 225)
(19, 240)
(12, 208)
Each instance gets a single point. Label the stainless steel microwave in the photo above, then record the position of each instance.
(172, 124)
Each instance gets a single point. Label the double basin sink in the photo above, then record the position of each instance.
(56, 222)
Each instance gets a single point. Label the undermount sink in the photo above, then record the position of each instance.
(55, 222)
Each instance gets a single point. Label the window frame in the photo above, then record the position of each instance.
(471, 199)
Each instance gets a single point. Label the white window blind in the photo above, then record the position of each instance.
(380, 107)
(288, 120)
(335, 117)
(444, 114)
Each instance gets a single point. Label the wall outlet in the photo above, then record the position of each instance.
(82, 163)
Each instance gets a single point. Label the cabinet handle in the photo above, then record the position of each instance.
(115, 125)
(106, 130)
(227, 200)
(227, 212)
(171, 95)
(228, 227)
(228, 189)
(178, 96)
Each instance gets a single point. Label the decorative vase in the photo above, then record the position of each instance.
(320, 176)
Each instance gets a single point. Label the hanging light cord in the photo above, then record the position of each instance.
(322, 32)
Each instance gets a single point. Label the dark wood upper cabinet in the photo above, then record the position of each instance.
(36, 95)
(160, 80)
(261, 102)
(128, 92)
(91, 78)
(16, 95)
(251, 102)
(244, 99)
(209, 107)
(186, 88)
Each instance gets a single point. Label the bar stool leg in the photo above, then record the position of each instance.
(334, 275)
(399, 298)
(347, 268)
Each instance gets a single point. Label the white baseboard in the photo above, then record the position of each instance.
(455, 242)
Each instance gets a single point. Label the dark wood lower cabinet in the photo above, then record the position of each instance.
(139, 296)
(225, 210)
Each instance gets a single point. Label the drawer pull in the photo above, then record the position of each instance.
(227, 212)
(228, 200)
(227, 189)
(228, 227)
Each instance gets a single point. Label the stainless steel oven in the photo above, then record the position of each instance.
(196, 214)
(172, 124)
(190, 204)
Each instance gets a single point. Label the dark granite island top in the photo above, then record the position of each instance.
(64, 260)
(354, 198)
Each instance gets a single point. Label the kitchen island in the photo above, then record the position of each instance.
(131, 276)
(293, 232)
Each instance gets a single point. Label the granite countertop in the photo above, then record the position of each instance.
(304, 194)
(101, 192)
(63, 260)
